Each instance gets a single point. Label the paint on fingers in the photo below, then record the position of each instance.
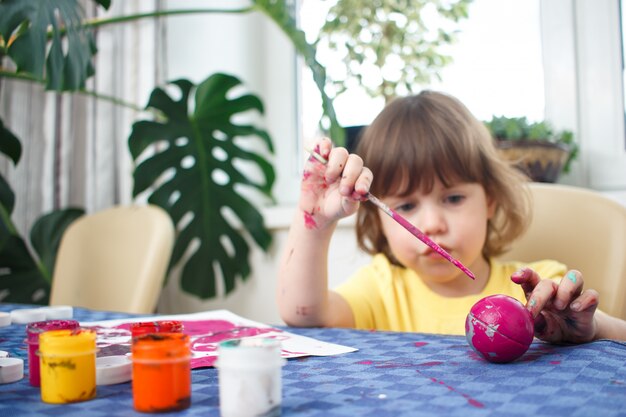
(314, 179)
(571, 275)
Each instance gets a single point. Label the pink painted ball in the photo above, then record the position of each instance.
(499, 328)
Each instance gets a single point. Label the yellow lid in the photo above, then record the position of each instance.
(67, 342)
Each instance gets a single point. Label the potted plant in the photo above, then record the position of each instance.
(536, 148)
(387, 48)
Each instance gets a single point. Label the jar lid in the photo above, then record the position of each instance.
(113, 370)
(27, 315)
(58, 312)
(11, 370)
(5, 319)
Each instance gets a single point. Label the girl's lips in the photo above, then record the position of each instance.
(431, 253)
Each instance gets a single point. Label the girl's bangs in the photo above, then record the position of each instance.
(417, 164)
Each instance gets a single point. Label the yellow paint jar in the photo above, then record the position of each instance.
(67, 360)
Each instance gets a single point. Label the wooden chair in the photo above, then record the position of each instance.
(584, 230)
(114, 260)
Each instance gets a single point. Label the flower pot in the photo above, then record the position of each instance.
(541, 161)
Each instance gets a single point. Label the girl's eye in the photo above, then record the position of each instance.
(454, 198)
(405, 207)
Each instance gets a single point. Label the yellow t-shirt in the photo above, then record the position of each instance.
(383, 296)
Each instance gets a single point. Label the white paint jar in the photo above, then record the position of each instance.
(250, 377)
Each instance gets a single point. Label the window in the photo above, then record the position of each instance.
(497, 66)
(555, 59)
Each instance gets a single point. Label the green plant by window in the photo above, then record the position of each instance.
(390, 47)
(504, 128)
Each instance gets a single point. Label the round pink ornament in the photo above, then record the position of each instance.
(499, 328)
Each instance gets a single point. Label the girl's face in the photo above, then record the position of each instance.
(456, 219)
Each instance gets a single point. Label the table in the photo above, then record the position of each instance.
(392, 374)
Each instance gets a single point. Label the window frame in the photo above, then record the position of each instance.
(584, 86)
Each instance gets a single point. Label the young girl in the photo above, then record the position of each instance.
(434, 164)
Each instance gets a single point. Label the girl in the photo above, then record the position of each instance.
(436, 166)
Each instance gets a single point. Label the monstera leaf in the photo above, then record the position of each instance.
(11, 147)
(46, 40)
(197, 164)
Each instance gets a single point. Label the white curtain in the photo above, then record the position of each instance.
(74, 146)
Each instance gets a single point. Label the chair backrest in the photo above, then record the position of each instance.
(584, 230)
(114, 260)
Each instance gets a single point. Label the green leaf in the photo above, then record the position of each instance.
(9, 144)
(193, 165)
(7, 203)
(11, 147)
(104, 3)
(46, 39)
(21, 281)
(46, 234)
(22, 278)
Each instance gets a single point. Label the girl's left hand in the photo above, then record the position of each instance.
(563, 312)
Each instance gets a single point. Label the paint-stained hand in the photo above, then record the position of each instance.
(563, 312)
(332, 190)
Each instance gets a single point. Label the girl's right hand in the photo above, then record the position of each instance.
(333, 190)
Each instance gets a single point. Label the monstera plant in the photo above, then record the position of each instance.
(203, 143)
(188, 162)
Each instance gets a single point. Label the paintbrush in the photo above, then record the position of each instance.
(406, 224)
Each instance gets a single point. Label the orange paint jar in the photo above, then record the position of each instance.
(161, 372)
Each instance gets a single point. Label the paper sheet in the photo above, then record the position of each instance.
(206, 330)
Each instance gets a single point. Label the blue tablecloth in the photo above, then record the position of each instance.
(392, 374)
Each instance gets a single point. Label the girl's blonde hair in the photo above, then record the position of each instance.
(418, 139)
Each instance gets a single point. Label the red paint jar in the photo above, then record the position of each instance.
(161, 372)
(33, 330)
(161, 326)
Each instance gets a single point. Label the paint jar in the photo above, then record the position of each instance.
(67, 359)
(161, 372)
(162, 326)
(250, 380)
(33, 330)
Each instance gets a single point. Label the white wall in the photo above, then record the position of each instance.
(255, 298)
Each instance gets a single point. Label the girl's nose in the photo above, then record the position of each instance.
(430, 220)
